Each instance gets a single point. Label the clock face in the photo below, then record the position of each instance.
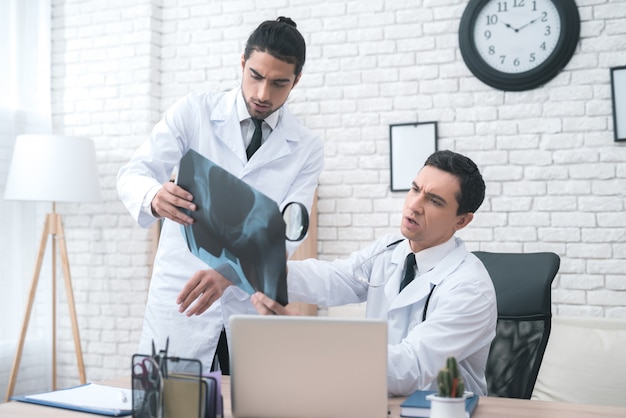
(515, 36)
(516, 45)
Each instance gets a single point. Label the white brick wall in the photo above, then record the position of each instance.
(106, 85)
(555, 177)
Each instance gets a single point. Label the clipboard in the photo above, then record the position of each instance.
(90, 397)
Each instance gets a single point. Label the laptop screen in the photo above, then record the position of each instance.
(308, 366)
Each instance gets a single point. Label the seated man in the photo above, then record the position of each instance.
(448, 309)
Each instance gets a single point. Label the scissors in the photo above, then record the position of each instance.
(148, 374)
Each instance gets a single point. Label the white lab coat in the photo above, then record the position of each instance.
(286, 168)
(461, 315)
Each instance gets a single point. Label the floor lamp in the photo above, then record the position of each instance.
(52, 168)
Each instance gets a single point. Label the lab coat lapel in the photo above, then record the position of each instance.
(226, 126)
(278, 143)
(420, 288)
(397, 261)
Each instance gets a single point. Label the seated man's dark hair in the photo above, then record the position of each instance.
(472, 190)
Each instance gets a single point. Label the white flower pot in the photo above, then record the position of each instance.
(442, 407)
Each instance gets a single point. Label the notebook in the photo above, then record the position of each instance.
(308, 366)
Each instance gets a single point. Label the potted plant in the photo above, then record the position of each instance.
(450, 401)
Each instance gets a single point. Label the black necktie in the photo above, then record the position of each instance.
(409, 271)
(256, 138)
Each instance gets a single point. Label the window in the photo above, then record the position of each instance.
(24, 108)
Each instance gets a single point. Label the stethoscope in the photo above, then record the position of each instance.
(376, 285)
(376, 254)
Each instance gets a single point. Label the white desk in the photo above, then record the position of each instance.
(487, 408)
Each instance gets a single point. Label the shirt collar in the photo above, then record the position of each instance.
(427, 259)
(242, 111)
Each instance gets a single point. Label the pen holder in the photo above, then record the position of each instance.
(147, 385)
(173, 387)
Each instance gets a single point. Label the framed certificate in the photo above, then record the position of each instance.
(618, 92)
(410, 145)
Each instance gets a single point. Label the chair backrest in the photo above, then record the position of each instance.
(523, 284)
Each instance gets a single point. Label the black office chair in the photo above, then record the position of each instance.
(523, 284)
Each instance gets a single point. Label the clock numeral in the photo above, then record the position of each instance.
(534, 6)
(516, 62)
(487, 34)
(544, 16)
(548, 31)
(492, 50)
(532, 57)
(492, 20)
(543, 46)
(503, 6)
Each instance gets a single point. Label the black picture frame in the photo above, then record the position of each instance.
(618, 98)
(410, 144)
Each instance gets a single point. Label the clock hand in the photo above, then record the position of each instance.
(527, 24)
(508, 26)
(521, 27)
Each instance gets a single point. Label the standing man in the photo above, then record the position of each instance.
(436, 297)
(248, 131)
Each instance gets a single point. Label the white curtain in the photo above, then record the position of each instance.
(24, 108)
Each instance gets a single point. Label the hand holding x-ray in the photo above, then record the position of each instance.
(239, 231)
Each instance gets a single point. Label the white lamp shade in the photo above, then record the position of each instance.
(53, 168)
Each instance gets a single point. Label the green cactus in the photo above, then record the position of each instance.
(450, 383)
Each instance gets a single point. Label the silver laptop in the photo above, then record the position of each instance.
(308, 366)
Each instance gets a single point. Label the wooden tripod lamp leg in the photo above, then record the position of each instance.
(54, 227)
(70, 297)
(29, 306)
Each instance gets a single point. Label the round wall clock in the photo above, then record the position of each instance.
(517, 45)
